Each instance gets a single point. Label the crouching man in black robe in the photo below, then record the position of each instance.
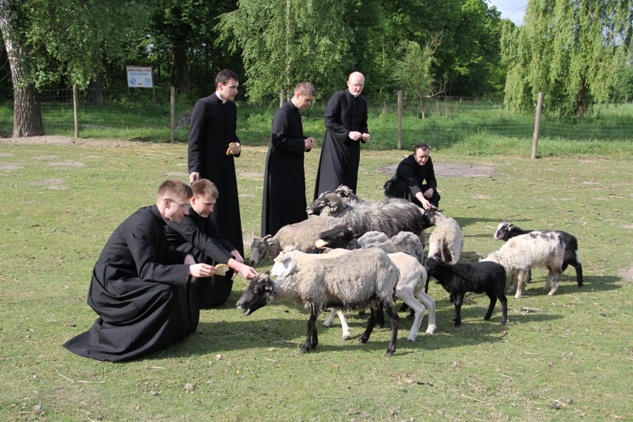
(415, 179)
(197, 234)
(284, 200)
(141, 288)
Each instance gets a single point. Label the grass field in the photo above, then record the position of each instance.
(560, 357)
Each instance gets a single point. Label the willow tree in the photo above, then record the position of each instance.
(414, 71)
(572, 50)
(284, 42)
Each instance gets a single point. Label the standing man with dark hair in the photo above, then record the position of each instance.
(415, 179)
(284, 200)
(141, 289)
(213, 145)
(197, 234)
(345, 128)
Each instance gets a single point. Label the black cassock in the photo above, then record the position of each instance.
(284, 200)
(411, 178)
(200, 237)
(140, 290)
(340, 156)
(213, 127)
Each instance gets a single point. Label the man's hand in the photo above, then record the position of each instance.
(201, 270)
(365, 137)
(193, 176)
(354, 135)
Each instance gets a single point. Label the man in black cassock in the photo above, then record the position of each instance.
(141, 289)
(414, 179)
(284, 200)
(213, 144)
(197, 235)
(345, 129)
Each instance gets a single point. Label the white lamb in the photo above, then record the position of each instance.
(535, 249)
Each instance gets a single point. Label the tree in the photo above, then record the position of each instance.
(284, 42)
(69, 41)
(414, 72)
(573, 51)
(27, 114)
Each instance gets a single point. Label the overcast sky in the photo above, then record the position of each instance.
(511, 9)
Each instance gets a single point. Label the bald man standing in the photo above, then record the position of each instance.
(345, 129)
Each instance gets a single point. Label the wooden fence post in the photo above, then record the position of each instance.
(172, 95)
(282, 97)
(399, 135)
(76, 111)
(537, 123)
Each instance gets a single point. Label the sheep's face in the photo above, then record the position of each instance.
(258, 250)
(337, 237)
(432, 264)
(503, 231)
(318, 204)
(431, 214)
(257, 295)
(328, 203)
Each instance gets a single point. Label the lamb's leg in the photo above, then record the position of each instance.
(578, 267)
(395, 319)
(371, 323)
(344, 326)
(520, 281)
(491, 307)
(311, 337)
(330, 318)
(555, 279)
(429, 303)
(407, 297)
(512, 277)
(459, 298)
(504, 306)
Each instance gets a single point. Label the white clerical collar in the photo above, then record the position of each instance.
(220, 97)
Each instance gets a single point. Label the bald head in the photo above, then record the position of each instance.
(355, 83)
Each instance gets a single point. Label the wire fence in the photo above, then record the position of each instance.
(146, 114)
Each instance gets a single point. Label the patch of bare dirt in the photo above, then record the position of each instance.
(52, 184)
(450, 170)
(67, 164)
(66, 140)
(627, 273)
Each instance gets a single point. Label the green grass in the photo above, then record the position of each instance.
(466, 127)
(559, 357)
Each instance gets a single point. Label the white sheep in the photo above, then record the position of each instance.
(412, 274)
(506, 230)
(301, 236)
(447, 238)
(331, 282)
(535, 249)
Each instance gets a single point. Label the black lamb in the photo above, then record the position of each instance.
(479, 277)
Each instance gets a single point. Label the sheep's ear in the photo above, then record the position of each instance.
(268, 236)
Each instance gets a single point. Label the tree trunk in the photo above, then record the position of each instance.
(182, 70)
(580, 100)
(27, 107)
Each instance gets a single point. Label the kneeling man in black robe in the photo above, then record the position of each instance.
(415, 179)
(141, 288)
(198, 235)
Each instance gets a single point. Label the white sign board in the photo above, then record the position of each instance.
(139, 77)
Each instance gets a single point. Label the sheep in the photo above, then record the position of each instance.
(447, 238)
(389, 215)
(506, 230)
(535, 249)
(406, 252)
(343, 236)
(479, 277)
(301, 236)
(331, 282)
